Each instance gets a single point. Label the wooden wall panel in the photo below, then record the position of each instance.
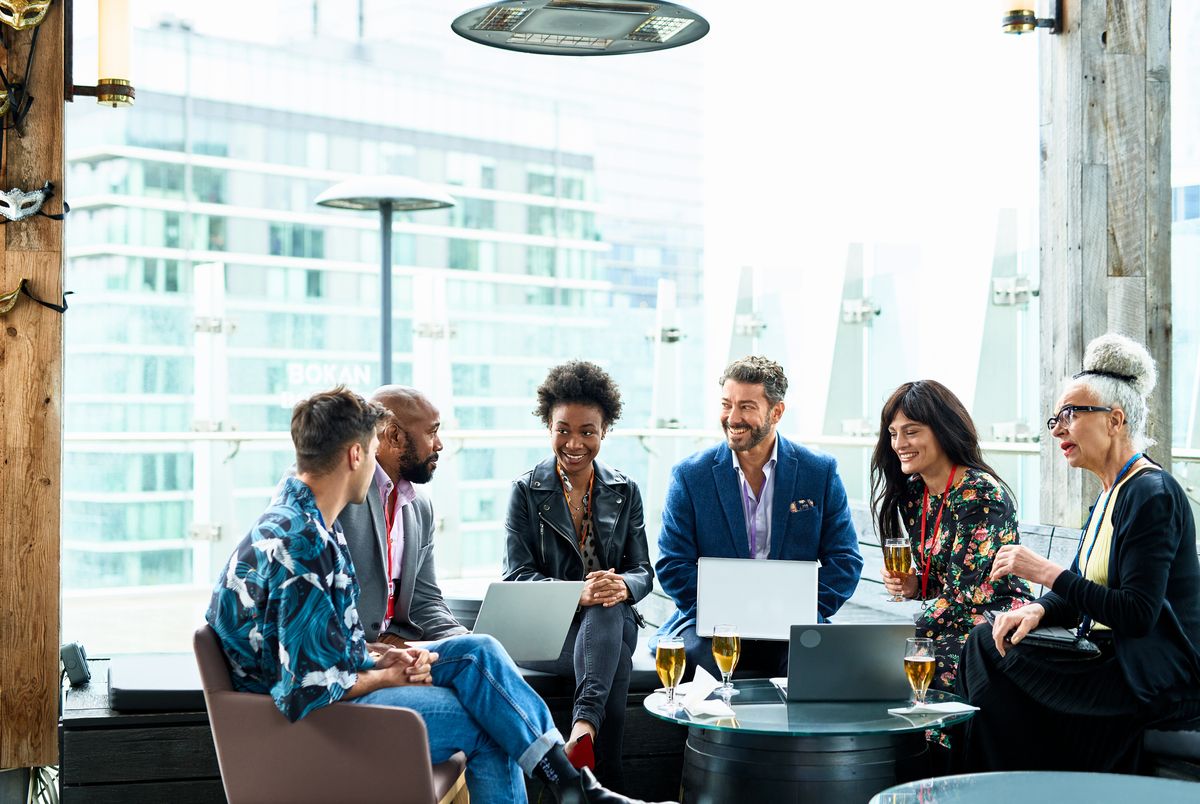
(31, 362)
(1105, 209)
(1125, 131)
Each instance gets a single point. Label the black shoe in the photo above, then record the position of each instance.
(586, 790)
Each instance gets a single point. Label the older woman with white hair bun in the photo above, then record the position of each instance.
(1133, 590)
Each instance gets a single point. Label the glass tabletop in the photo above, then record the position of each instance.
(759, 707)
(1042, 786)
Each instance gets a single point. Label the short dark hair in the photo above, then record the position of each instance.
(326, 423)
(759, 370)
(579, 382)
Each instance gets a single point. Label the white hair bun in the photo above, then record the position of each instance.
(1116, 354)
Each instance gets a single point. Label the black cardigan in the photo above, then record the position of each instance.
(1152, 601)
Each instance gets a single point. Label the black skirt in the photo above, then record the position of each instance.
(1039, 712)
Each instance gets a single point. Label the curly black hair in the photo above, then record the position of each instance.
(580, 382)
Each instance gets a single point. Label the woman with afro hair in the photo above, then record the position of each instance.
(574, 518)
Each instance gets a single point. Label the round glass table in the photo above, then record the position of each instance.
(771, 749)
(1041, 787)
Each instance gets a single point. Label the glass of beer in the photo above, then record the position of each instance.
(726, 648)
(919, 664)
(897, 558)
(669, 661)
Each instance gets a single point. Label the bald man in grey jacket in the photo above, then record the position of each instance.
(404, 569)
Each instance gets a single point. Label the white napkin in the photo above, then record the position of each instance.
(696, 702)
(943, 708)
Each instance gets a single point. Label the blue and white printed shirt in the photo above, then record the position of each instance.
(285, 607)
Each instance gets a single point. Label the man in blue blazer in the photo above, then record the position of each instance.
(759, 496)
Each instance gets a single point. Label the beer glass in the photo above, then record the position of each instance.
(726, 648)
(919, 664)
(669, 661)
(897, 558)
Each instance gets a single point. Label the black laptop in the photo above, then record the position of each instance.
(154, 682)
(848, 662)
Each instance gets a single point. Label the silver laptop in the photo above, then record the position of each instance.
(529, 618)
(848, 662)
(763, 599)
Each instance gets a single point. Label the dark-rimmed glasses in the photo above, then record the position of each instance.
(1067, 414)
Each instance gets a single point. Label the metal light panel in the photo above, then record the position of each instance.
(581, 27)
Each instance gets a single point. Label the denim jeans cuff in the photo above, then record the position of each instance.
(538, 749)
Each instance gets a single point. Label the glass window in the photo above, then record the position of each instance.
(611, 219)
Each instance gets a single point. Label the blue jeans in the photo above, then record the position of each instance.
(480, 705)
(598, 654)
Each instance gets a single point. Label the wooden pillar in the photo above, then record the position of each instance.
(31, 396)
(1105, 210)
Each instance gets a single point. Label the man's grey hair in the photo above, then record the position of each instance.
(759, 370)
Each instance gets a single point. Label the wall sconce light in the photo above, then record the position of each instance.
(1020, 17)
(113, 87)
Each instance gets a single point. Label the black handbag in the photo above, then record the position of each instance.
(1055, 641)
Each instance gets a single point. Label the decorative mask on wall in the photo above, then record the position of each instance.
(22, 14)
(17, 204)
(9, 300)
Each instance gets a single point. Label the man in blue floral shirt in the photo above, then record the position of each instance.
(285, 611)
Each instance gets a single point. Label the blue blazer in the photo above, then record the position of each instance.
(810, 520)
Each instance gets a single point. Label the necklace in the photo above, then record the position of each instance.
(585, 506)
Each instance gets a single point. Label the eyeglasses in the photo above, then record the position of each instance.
(1067, 414)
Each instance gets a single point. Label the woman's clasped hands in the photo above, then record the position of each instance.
(603, 588)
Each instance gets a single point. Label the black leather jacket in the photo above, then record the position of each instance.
(541, 537)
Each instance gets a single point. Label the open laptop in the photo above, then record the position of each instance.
(848, 662)
(529, 618)
(763, 599)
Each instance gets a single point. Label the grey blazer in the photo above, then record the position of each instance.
(420, 611)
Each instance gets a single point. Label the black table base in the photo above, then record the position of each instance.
(722, 767)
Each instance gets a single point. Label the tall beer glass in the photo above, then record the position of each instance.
(669, 661)
(897, 558)
(726, 648)
(919, 664)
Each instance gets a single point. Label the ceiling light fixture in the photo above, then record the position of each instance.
(581, 27)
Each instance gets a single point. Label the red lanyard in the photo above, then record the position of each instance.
(936, 524)
(389, 518)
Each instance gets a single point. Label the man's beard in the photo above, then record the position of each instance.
(412, 468)
(757, 436)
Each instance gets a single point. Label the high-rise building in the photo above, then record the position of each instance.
(210, 291)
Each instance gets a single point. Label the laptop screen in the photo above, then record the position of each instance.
(763, 599)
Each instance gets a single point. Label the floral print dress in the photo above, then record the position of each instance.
(980, 517)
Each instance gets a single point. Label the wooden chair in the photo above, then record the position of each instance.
(344, 752)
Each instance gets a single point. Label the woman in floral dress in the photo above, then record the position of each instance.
(931, 485)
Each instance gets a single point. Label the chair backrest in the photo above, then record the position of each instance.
(214, 669)
(336, 753)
